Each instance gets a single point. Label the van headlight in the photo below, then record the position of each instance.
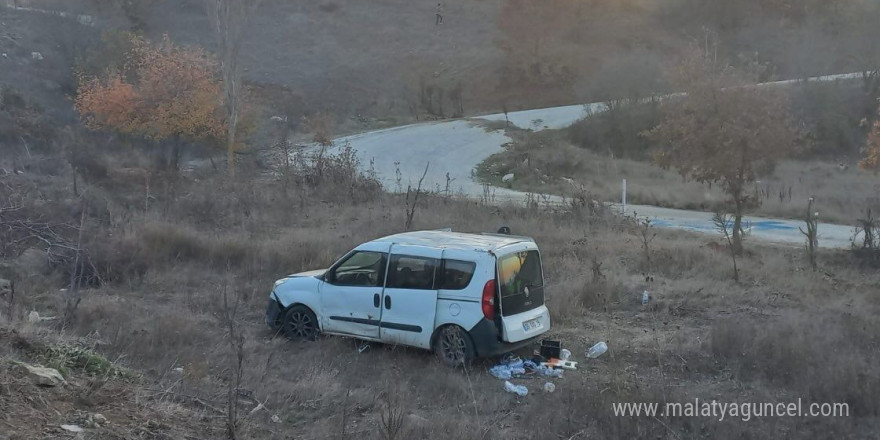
(279, 282)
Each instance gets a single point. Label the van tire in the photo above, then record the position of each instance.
(300, 323)
(454, 346)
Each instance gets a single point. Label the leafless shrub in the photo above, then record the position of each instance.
(644, 231)
(868, 228)
(868, 251)
(391, 419)
(487, 196)
(412, 199)
(811, 233)
(723, 224)
(321, 127)
(72, 295)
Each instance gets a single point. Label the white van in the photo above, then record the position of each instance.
(460, 295)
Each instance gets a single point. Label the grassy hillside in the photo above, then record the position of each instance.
(159, 267)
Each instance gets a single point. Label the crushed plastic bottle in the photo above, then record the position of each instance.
(519, 390)
(597, 350)
(549, 387)
(548, 371)
(645, 298)
(564, 354)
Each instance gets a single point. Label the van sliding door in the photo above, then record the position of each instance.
(409, 304)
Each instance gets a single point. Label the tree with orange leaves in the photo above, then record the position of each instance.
(163, 92)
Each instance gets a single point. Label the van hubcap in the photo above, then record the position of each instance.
(302, 325)
(452, 346)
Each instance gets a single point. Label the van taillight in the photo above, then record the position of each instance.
(489, 300)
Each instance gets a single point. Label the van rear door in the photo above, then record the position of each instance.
(521, 293)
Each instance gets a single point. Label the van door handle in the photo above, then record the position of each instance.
(387, 302)
(376, 300)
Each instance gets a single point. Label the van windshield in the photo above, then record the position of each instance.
(518, 271)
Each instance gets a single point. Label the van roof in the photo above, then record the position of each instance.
(454, 240)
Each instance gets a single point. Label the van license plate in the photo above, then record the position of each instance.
(532, 324)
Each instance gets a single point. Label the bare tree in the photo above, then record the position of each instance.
(72, 295)
(230, 18)
(412, 199)
(722, 223)
(811, 233)
(236, 345)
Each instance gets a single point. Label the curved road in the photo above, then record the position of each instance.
(456, 147)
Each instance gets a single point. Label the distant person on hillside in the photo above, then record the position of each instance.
(439, 19)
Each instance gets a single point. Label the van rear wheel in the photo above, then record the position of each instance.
(300, 323)
(454, 346)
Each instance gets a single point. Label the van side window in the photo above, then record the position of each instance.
(410, 272)
(456, 274)
(361, 268)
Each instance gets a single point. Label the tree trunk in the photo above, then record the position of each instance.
(230, 143)
(175, 155)
(737, 222)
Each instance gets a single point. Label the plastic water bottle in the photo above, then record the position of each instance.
(645, 298)
(549, 387)
(597, 350)
(519, 390)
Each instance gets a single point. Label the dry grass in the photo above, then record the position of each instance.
(841, 195)
(784, 332)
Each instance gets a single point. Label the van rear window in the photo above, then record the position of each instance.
(519, 270)
(456, 274)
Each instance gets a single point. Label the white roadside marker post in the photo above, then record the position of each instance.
(623, 196)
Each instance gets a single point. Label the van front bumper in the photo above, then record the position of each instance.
(273, 312)
(487, 340)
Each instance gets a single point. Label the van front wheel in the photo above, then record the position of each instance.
(300, 323)
(454, 346)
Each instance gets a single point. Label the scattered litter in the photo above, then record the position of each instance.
(549, 387)
(363, 347)
(37, 56)
(99, 418)
(557, 365)
(507, 178)
(514, 367)
(597, 350)
(508, 370)
(178, 370)
(565, 354)
(275, 418)
(645, 298)
(34, 317)
(71, 428)
(550, 349)
(519, 390)
(509, 358)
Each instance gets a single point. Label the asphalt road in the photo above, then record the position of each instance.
(452, 149)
